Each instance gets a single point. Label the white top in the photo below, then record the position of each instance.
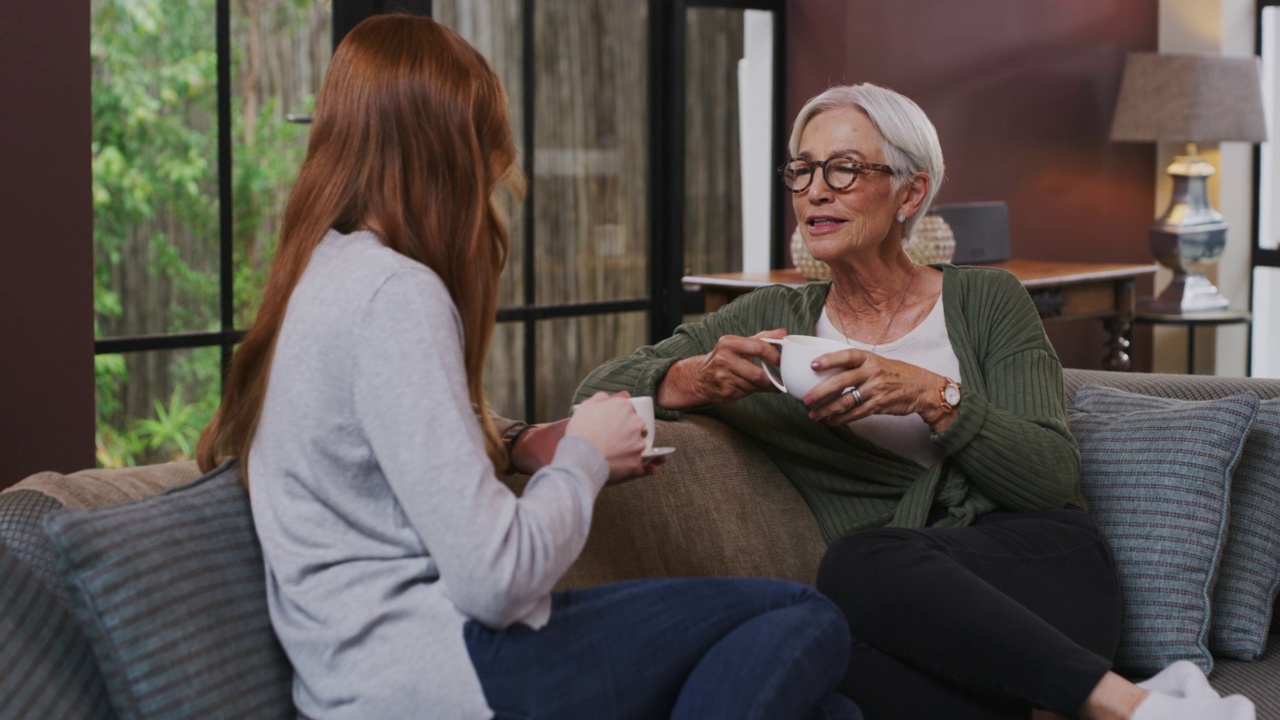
(929, 347)
(382, 523)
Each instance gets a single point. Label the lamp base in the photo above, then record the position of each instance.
(1188, 237)
(1189, 293)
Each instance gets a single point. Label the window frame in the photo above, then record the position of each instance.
(667, 301)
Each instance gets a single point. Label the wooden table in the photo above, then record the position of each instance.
(1060, 291)
(1192, 320)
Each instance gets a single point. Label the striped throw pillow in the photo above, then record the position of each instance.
(1249, 577)
(47, 669)
(1158, 483)
(172, 594)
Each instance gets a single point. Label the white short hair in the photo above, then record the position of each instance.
(910, 140)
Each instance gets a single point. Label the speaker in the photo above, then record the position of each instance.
(981, 230)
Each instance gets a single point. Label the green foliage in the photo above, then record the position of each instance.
(156, 219)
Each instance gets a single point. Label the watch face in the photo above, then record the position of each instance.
(951, 393)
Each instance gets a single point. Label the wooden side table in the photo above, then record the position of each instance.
(1060, 291)
(1192, 321)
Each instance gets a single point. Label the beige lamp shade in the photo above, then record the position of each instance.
(1190, 98)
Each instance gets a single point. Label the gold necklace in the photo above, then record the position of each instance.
(902, 300)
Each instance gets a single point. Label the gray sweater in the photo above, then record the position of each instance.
(383, 525)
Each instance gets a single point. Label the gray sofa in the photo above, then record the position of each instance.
(138, 592)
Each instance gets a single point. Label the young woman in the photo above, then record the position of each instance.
(404, 579)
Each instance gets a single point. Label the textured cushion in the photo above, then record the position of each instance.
(172, 594)
(46, 665)
(22, 514)
(719, 506)
(1158, 483)
(1249, 575)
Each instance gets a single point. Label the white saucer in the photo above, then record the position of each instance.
(657, 453)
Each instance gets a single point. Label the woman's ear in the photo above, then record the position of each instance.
(917, 188)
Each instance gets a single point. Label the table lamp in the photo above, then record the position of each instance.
(1189, 98)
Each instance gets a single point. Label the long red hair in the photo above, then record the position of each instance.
(411, 137)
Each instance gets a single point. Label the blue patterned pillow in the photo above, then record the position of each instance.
(1158, 483)
(1249, 576)
(22, 514)
(172, 594)
(46, 666)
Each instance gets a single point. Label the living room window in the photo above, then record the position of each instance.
(193, 157)
(630, 109)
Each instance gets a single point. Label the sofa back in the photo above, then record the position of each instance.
(1182, 387)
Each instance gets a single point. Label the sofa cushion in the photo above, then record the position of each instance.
(1249, 575)
(1158, 482)
(46, 665)
(22, 514)
(172, 594)
(719, 506)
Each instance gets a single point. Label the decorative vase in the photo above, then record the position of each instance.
(932, 241)
(809, 267)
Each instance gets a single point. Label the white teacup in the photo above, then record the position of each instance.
(798, 351)
(644, 408)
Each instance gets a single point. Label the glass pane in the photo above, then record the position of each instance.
(590, 159)
(570, 348)
(1269, 152)
(713, 167)
(1266, 315)
(152, 406)
(495, 28)
(280, 51)
(154, 147)
(504, 371)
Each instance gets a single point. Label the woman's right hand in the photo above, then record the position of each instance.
(725, 374)
(612, 425)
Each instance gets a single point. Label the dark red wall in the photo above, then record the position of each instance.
(46, 251)
(1022, 95)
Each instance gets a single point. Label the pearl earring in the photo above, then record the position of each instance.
(902, 218)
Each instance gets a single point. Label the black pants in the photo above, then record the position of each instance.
(1020, 610)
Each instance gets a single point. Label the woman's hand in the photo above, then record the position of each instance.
(886, 387)
(612, 425)
(725, 374)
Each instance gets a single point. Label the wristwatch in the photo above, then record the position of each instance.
(950, 394)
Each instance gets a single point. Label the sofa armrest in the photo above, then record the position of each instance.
(718, 507)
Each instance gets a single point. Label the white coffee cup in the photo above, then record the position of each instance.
(644, 408)
(798, 351)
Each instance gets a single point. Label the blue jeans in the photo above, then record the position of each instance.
(736, 648)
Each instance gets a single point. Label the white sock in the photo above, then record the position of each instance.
(1182, 679)
(1163, 707)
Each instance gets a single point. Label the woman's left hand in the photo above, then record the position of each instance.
(884, 387)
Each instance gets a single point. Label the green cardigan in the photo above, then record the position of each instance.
(1008, 448)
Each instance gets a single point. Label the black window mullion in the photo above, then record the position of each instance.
(781, 206)
(226, 227)
(666, 165)
(530, 323)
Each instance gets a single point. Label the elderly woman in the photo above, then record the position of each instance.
(937, 457)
